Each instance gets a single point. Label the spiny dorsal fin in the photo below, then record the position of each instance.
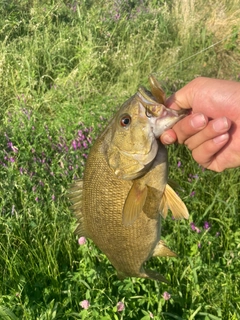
(172, 201)
(134, 203)
(75, 196)
(156, 90)
(161, 250)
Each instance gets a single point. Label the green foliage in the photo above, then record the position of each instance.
(65, 67)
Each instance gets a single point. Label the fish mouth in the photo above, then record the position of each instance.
(159, 116)
(166, 119)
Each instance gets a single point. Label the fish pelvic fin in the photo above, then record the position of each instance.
(75, 196)
(161, 250)
(154, 275)
(172, 201)
(146, 274)
(121, 275)
(134, 203)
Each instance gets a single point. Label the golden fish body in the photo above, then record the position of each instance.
(124, 189)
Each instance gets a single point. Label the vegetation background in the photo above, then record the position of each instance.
(65, 66)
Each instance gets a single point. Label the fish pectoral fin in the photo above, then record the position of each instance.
(134, 203)
(163, 207)
(161, 250)
(174, 203)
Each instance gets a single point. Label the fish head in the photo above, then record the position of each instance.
(135, 131)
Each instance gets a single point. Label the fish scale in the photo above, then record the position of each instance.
(107, 218)
(124, 191)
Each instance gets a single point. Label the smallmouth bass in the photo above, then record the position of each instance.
(124, 191)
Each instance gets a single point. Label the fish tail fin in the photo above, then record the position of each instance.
(172, 201)
(75, 196)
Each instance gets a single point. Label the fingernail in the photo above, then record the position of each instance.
(221, 138)
(168, 139)
(220, 124)
(198, 121)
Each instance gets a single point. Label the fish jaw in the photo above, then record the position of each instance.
(165, 120)
(160, 118)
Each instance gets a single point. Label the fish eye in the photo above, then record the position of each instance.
(148, 114)
(125, 120)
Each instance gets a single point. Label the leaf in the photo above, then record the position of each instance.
(7, 314)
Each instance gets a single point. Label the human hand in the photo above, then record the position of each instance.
(212, 130)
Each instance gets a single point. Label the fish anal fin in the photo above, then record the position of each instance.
(175, 204)
(134, 203)
(161, 250)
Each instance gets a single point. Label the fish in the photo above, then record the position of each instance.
(125, 192)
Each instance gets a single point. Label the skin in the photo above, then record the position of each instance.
(212, 130)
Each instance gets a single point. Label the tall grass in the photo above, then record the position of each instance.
(65, 68)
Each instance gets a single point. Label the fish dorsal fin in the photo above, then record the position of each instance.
(75, 196)
(161, 250)
(156, 90)
(172, 201)
(134, 203)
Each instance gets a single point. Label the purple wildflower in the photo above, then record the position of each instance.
(11, 146)
(53, 197)
(82, 240)
(192, 194)
(206, 225)
(166, 295)
(179, 164)
(193, 226)
(120, 306)
(199, 245)
(117, 16)
(85, 304)
(74, 144)
(197, 230)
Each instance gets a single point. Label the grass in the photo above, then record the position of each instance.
(65, 68)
